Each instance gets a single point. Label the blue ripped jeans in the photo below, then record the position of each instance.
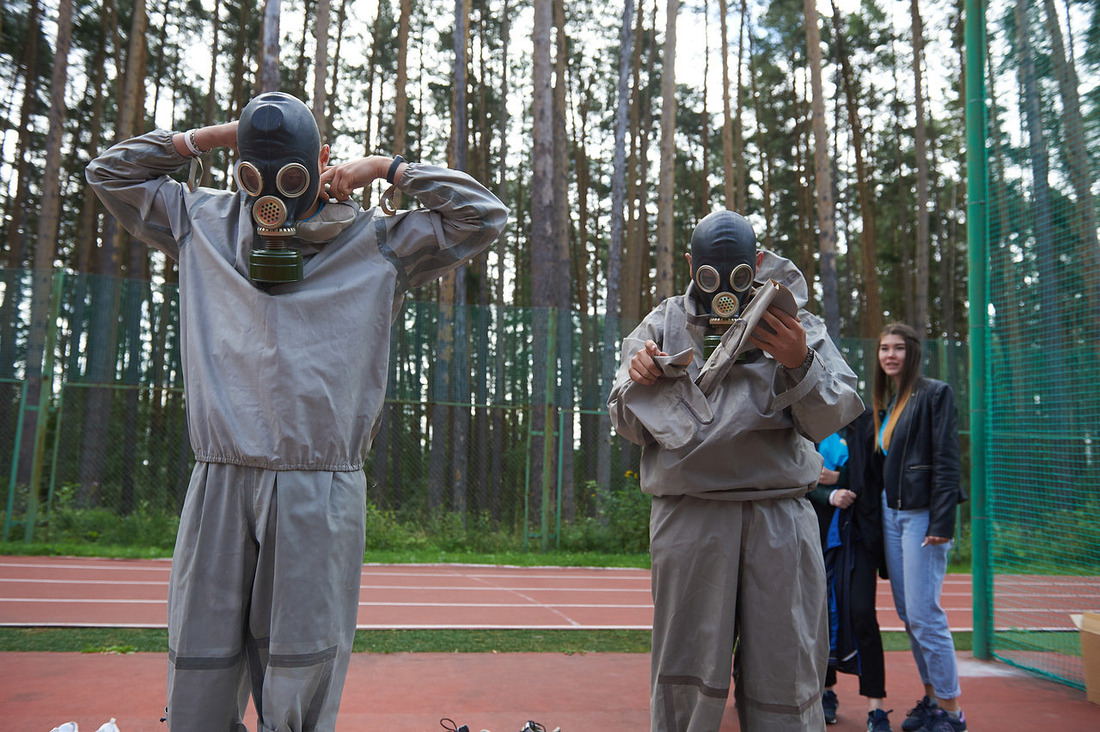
(916, 578)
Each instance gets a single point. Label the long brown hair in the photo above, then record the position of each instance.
(884, 390)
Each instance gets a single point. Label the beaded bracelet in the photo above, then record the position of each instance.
(189, 141)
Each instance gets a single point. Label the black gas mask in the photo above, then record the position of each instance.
(279, 146)
(723, 261)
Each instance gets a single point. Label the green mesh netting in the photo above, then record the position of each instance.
(1042, 146)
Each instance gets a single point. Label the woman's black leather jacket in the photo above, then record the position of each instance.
(921, 467)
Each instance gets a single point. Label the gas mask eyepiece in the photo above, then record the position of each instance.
(280, 146)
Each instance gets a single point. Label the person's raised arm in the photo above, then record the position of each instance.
(340, 181)
(199, 140)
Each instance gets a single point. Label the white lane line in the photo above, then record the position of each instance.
(86, 600)
(163, 565)
(42, 581)
(532, 601)
(526, 605)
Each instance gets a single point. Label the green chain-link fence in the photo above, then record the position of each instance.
(460, 451)
(1035, 298)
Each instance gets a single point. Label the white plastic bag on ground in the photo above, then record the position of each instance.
(67, 727)
(109, 727)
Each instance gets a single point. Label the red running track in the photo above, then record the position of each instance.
(82, 592)
(403, 692)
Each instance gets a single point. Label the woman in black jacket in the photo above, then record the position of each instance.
(917, 440)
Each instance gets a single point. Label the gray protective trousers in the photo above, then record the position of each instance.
(236, 624)
(748, 573)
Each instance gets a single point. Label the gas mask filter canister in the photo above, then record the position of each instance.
(279, 146)
(723, 259)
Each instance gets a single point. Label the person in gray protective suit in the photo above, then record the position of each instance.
(736, 556)
(287, 293)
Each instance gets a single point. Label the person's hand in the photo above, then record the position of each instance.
(842, 498)
(935, 540)
(787, 344)
(643, 369)
(338, 182)
(828, 477)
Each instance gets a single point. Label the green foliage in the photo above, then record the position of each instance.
(446, 531)
(621, 523)
(628, 516)
(1061, 541)
(101, 526)
(385, 531)
(70, 523)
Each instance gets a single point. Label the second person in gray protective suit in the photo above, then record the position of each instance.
(736, 557)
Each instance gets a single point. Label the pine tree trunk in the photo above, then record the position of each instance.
(727, 113)
(38, 384)
(740, 193)
(826, 210)
(268, 76)
(920, 137)
(611, 334)
(106, 301)
(871, 317)
(320, 66)
(1076, 158)
(401, 95)
(666, 185)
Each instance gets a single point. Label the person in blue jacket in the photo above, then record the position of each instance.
(849, 510)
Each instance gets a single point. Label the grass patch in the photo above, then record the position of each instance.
(155, 640)
(374, 556)
(85, 640)
(502, 641)
(519, 559)
(74, 549)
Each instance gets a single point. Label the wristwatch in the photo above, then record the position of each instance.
(397, 160)
(808, 362)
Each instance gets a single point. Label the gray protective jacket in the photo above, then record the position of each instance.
(753, 437)
(266, 385)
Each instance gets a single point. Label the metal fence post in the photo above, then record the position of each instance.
(548, 424)
(562, 416)
(44, 397)
(979, 299)
(15, 460)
